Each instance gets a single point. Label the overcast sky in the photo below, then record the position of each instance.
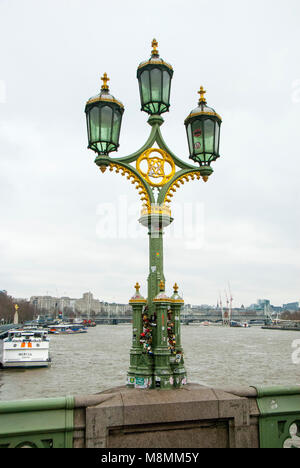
(53, 197)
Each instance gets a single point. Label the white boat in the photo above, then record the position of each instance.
(26, 348)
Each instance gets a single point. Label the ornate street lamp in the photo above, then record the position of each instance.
(203, 132)
(104, 117)
(156, 356)
(154, 78)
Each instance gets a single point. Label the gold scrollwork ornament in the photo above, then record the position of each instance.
(155, 174)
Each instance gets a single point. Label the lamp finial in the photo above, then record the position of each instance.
(202, 92)
(162, 286)
(105, 79)
(154, 45)
(175, 287)
(137, 287)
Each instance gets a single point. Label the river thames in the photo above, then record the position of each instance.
(99, 359)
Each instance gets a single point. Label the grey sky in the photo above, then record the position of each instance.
(245, 53)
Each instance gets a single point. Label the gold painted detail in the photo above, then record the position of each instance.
(162, 297)
(105, 79)
(156, 209)
(162, 285)
(180, 181)
(134, 180)
(155, 61)
(203, 113)
(178, 301)
(176, 298)
(154, 45)
(106, 99)
(137, 298)
(153, 168)
(202, 92)
(137, 301)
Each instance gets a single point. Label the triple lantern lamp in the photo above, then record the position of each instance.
(104, 112)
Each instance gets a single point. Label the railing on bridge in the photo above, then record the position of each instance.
(45, 423)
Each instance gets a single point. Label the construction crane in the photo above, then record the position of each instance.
(221, 306)
(225, 313)
(231, 301)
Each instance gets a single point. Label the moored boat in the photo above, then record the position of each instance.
(66, 329)
(26, 348)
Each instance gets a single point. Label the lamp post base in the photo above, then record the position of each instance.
(156, 357)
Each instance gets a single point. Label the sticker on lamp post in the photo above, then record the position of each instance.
(142, 382)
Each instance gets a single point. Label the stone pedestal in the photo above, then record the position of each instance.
(191, 417)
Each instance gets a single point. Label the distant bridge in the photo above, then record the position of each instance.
(112, 320)
(185, 318)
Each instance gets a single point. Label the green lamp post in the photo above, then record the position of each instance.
(156, 356)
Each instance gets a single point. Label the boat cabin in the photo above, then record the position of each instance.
(27, 335)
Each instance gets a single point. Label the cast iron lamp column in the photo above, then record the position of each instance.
(156, 356)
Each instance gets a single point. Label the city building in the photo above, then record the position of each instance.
(86, 306)
(291, 307)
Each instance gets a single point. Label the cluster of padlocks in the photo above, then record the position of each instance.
(146, 335)
(171, 333)
(156, 357)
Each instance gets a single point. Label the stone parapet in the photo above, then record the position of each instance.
(191, 417)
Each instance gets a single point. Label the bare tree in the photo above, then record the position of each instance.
(291, 315)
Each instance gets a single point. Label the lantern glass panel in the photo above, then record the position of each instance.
(217, 136)
(145, 87)
(190, 138)
(94, 124)
(166, 87)
(88, 126)
(209, 134)
(156, 84)
(197, 132)
(106, 123)
(116, 127)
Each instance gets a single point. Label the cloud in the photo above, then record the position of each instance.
(51, 190)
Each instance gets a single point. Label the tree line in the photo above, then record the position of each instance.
(7, 309)
(291, 315)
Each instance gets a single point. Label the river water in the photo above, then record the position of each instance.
(99, 359)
